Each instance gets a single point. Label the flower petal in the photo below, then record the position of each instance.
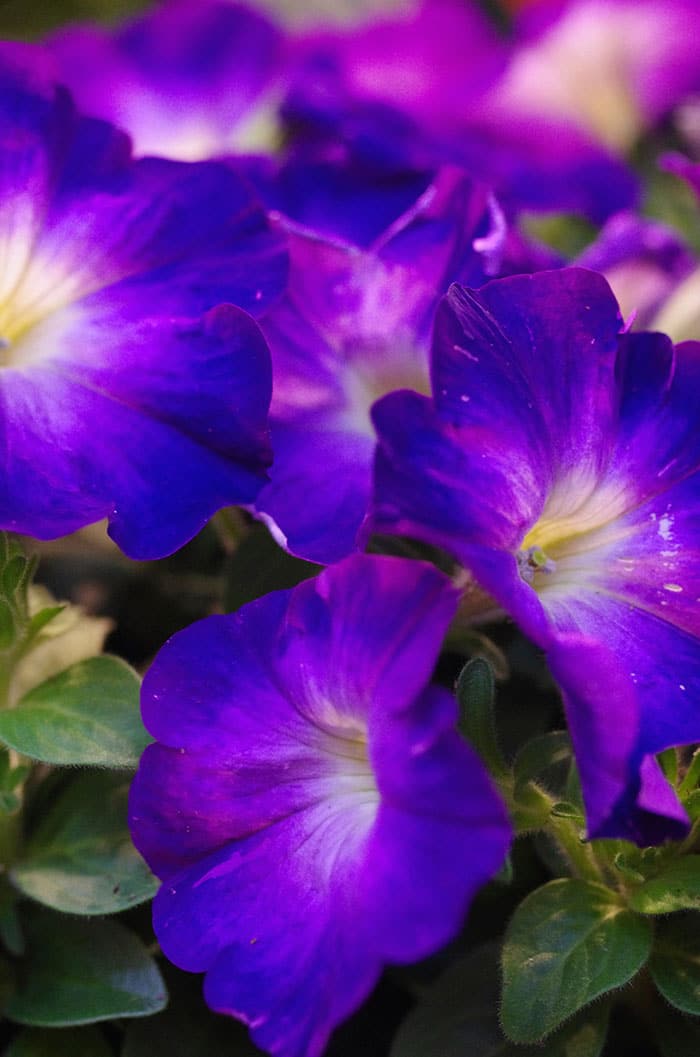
(625, 795)
(331, 470)
(76, 452)
(182, 79)
(342, 651)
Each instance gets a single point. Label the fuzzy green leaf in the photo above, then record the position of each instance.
(458, 1016)
(43, 618)
(544, 756)
(675, 963)
(80, 971)
(676, 887)
(81, 859)
(475, 691)
(87, 714)
(567, 943)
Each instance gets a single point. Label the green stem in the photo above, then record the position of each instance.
(690, 842)
(530, 808)
(579, 854)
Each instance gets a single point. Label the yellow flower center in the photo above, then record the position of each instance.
(580, 516)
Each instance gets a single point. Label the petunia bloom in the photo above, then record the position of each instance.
(679, 315)
(352, 326)
(187, 81)
(309, 806)
(613, 68)
(333, 193)
(131, 387)
(645, 263)
(558, 461)
(421, 86)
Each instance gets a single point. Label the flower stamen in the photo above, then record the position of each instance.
(533, 560)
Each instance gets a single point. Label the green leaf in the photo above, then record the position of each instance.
(582, 1036)
(259, 565)
(8, 627)
(475, 692)
(689, 784)
(564, 232)
(40, 620)
(675, 963)
(13, 574)
(628, 863)
(567, 943)
(80, 971)
(9, 802)
(458, 1016)
(506, 873)
(668, 761)
(81, 859)
(677, 887)
(52, 1042)
(563, 809)
(87, 714)
(457, 1013)
(692, 805)
(545, 757)
(16, 776)
(531, 808)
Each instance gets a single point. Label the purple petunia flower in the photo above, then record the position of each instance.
(309, 806)
(420, 87)
(186, 80)
(685, 168)
(332, 192)
(611, 67)
(126, 392)
(679, 314)
(352, 326)
(558, 461)
(644, 261)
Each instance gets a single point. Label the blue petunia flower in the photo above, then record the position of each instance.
(309, 806)
(425, 85)
(558, 461)
(612, 68)
(645, 263)
(131, 387)
(189, 81)
(353, 325)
